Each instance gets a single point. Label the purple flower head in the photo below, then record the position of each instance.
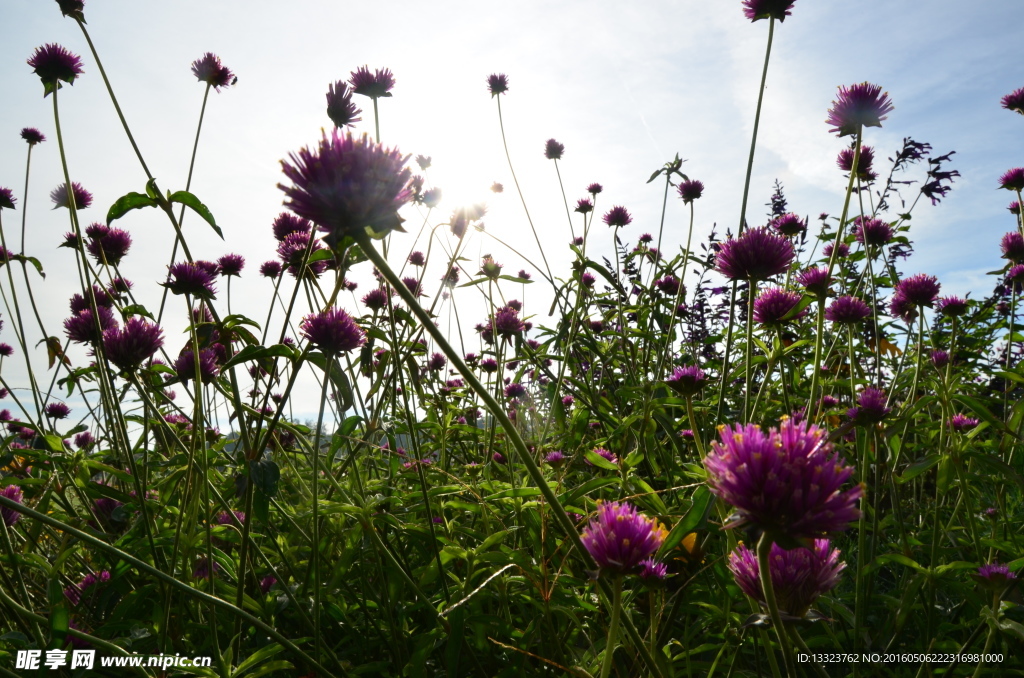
(6, 199)
(847, 311)
(210, 70)
(185, 365)
(128, 348)
(594, 189)
(758, 254)
(231, 264)
(437, 362)
(72, 8)
(333, 331)
(1013, 179)
(815, 281)
(84, 440)
(203, 569)
(786, 481)
(555, 458)
(903, 308)
(668, 285)
(515, 391)
(843, 251)
(951, 307)
(584, 206)
(489, 365)
(608, 455)
(497, 83)
(588, 279)
(490, 268)
(619, 538)
(287, 223)
(499, 458)
(53, 64)
(271, 269)
(767, 9)
(417, 259)
(960, 423)
(507, 323)
(81, 327)
(687, 381)
(618, 216)
(1014, 207)
(1015, 276)
(789, 224)
(939, 358)
(340, 108)
(82, 197)
(108, 245)
(57, 411)
(1012, 246)
(858, 105)
(872, 231)
(1014, 101)
(523, 274)
(870, 408)
(376, 299)
(652, 571)
(32, 136)
(867, 157)
(773, 305)
(690, 190)
(267, 583)
(225, 518)
(292, 251)
(6, 351)
(190, 278)
(10, 516)
(348, 184)
(799, 576)
(994, 576)
(920, 289)
(373, 85)
(553, 150)
(413, 285)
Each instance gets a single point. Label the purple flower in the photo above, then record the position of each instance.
(920, 289)
(10, 516)
(786, 481)
(497, 83)
(843, 251)
(939, 358)
(267, 583)
(767, 9)
(499, 458)
(951, 307)
(210, 70)
(687, 381)
(668, 285)
(758, 254)
(413, 285)
(82, 197)
(507, 323)
(594, 189)
(961, 423)
(515, 391)
(231, 264)
(847, 311)
(651, 570)
(789, 224)
(490, 268)
(1014, 207)
(376, 299)
(57, 411)
(605, 454)
(1012, 246)
(588, 279)
(6, 198)
(584, 206)
(225, 518)
(555, 458)
(901, 307)
(870, 408)
(417, 259)
(286, 224)
(867, 157)
(489, 365)
(81, 327)
(815, 281)
(108, 245)
(132, 345)
(84, 440)
(437, 362)
(690, 190)
(618, 216)
(994, 576)
(1013, 179)
(553, 150)
(347, 185)
(333, 331)
(774, 304)
(292, 251)
(523, 274)
(185, 365)
(858, 105)
(6, 351)
(1014, 101)
(872, 231)
(271, 269)
(431, 197)
(32, 136)
(52, 63)
(373, 85)
(619, 539)
(203, 569)
(190, 278)
(340, 108)
(799, 576)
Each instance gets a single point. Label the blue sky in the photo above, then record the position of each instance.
(623, 87)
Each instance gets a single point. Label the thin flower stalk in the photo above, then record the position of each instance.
(764, 549)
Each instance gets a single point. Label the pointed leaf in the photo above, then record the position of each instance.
(191, 201)
(127, 203)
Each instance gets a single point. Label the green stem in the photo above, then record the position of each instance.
(613, 627)
(764, 549)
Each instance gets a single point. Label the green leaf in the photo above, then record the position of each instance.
(264, 474)
(137, 309)
(338, 378)
(191, 201)
(600, 462)
(258, 353)
(32, 260)
(127, 203)
(919, 467)
(633, 458)
(693, 519)
(515, 492)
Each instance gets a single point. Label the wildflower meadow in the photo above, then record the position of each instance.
(776, 448)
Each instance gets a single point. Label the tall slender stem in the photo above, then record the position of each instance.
(613, 627)
(764, 549)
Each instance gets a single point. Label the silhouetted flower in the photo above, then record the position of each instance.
(82, 197)
(333, 331)
(292, 251)
(799, 576)
(190, 278)
(507, 323)
(271, 269)
(53, 64)
(6, 199)
(81, 327)
(789, 224)
(867, 157)
(286, 224)
(902, 307)
(340, 108)
(497, 83)
(1013, 179)
(1014, 101)
(767, 9)
(267, 583)
(619, 539)
(690, 190)
(210, 70)
(108, 245)
(373, 85)
(57, 410)
(687, 380)
(72, 8)
(758, 254)
(872, 231)
(515, 391)
(847, 310)
(858, 105)
(668, 285)
(815, 281)
(376, 299)
(951, 306)
(939, 358)
(553, 150)
(994, 576)
(417, 259)
(231, 264)
(584, 206)
(774, 304)
(185, 365)
(843, 250)
(617, 216)
(32, 136)
(870, 408)
(920, 289)
(133, 344)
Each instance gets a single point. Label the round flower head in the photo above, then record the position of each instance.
(210, 70)
(271, 269)
(292, 251)
(185, 365)
(109, 246)
(774, 304)
(190, 278)
(81, 327)
(594, 189)
(133, 344)
(870, 408)
(903, 308)
(668, 285)
(333, 331)
(82, 197)
(847, 311)
(960, 423)
(1014, 207)
(231, 264)
(619, 539)
(515, 391)
(758, 254)
(417, 258)
(872, 232)
(10, 516)
(767, 9)
(376, 299)
(6, 198)
(786, 482)
(1013, 180)
(867, 157)
(994, 576)
(507, 323)
(815, 281)
(652, 571)
(842, 251)
(285, 224)
(584, 206)
(53, 64)
(57, 411)
(618, 216)
(348, 184)
(74, 9)
(340, 108)
(553, 150)
(687, 381)
(799, 576)
(789, 224)
(951, 307)
(920, 289)
(497, 83)
(373, 85)
(690, 190)
(1014, 101)
(32, 136)
(1012, 246)
(858, 105)
(555, 458)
